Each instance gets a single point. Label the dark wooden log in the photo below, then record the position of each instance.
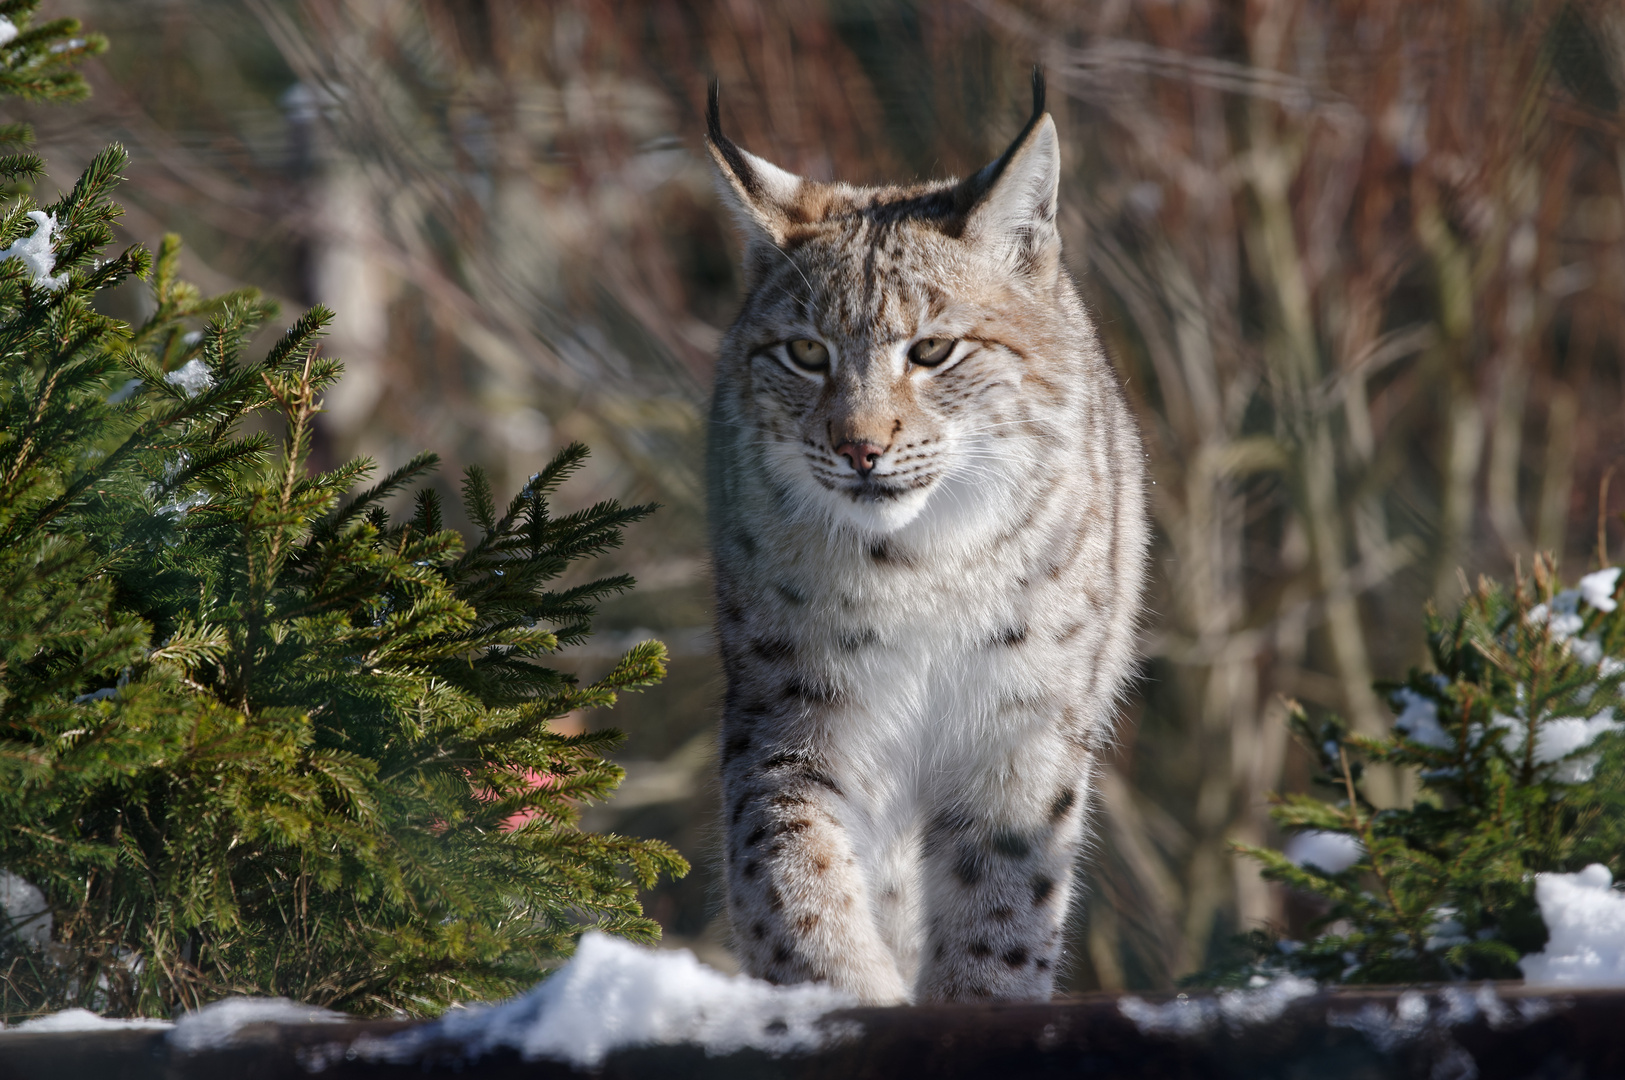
(1429, 1033)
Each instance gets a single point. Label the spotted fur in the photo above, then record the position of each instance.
(923, 658)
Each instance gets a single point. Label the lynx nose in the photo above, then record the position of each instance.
(862, 455)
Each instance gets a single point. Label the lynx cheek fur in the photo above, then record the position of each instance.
(928, 523)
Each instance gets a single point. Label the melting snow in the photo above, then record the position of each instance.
(1387, 1030)
(1586, 919)
(215, 1026)
(1589, 651)
(78, 1020)
(1598, 589)
(613, 994)
(1563, 614)
(27, 915)
(1557, 738)
(37, 251)
(1332, 852)
(1234, 1008)
(192, 377)
(1419, 719)
(1413, 1016)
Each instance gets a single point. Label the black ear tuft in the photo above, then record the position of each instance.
(978, 184)
(1032, 122)
(713, 111)
(733, 158)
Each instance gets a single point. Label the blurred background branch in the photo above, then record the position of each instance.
(1362, 266)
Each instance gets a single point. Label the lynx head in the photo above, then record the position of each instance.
(896, 341)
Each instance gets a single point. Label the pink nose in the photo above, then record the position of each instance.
(862, 455)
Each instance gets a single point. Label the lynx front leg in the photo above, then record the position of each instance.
(997, 894)
(796, 894)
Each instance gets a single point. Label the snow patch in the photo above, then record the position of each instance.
(171, 503)
(38, 251)
(78, 1020)
(1383, 1029)
(1461, 1007)
(1586, 919)
(1413, 1017)
(1419, 719)
(215, 1026)
(27, 915)
(8, 31)
(613, 994)
(1565, 735)
(1447, 931)
(1588, 651)
(1563, 614)
(193, 377)
(1331, 852)
(1558, 738)
(1235, 1009)
(1598, 589)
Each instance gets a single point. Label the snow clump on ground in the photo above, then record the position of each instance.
(215, 1026)
(78, 1020)
(1585, 916)
(1263, 1003)
(613, 994)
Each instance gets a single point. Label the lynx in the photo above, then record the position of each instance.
(928, 522)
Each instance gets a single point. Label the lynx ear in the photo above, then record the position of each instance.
(1009, 206)
(760, 194)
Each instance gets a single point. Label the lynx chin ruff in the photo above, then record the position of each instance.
(928, 520)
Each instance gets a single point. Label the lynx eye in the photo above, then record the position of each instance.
(808, 354)
(931, 351)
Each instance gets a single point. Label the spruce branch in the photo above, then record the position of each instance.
(252, 731)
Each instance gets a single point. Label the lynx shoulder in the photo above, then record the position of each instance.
(929, 532)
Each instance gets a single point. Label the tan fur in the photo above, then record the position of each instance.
(921, 663)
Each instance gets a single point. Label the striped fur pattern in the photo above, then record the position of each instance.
(925, 638)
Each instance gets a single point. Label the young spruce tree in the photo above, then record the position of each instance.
(1518, 738)
(256, 736)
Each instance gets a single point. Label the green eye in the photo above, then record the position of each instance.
(808, 354)
(931, 351)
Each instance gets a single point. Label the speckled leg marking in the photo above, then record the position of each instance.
(998, 895)
(800, 906)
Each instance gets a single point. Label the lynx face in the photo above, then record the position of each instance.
(882, 368)
(868, 408)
